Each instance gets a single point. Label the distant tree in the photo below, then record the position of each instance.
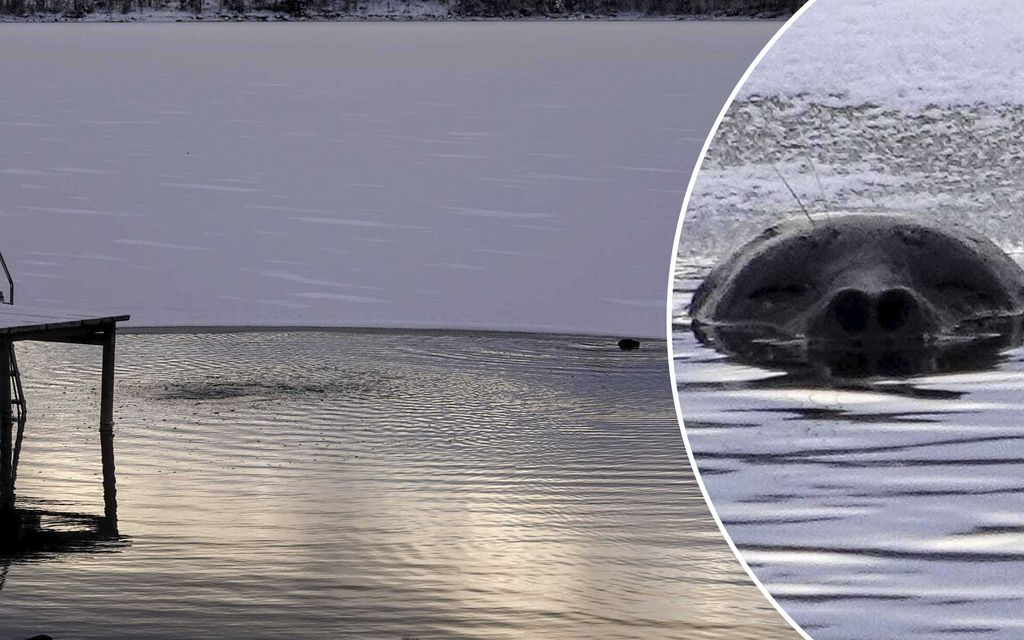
(296, 8)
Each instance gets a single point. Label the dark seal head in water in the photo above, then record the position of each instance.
(858, 283)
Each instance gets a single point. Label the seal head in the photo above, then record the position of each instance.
(860, 282)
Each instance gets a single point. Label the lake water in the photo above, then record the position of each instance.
(405, 175)
(888, 507)
(326, 485)
(895, 496)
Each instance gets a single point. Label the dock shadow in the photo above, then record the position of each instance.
(38, 534)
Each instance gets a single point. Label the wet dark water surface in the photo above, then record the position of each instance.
(326, 485)
(882, 507)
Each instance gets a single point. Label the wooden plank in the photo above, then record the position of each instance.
(91, 334)
(107, 433)
(17, 320)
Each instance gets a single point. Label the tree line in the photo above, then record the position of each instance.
(445, 8)
(510, 8)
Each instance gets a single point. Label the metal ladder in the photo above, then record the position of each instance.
(18, 408)
(20, 411)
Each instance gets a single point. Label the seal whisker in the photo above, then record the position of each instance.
(821, 189)
(793, 193)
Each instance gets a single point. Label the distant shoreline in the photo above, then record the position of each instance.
(184, 17)
(393, 10)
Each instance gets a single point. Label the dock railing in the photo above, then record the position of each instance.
(9, 298)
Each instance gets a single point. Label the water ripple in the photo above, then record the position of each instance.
(376, 485)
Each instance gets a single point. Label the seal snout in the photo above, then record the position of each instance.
(849, 311)
(898, 309)
(854, 314)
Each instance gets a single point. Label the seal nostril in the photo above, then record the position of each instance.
(851, 310)
(895, 308)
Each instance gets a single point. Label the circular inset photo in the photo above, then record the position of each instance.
(846, 319)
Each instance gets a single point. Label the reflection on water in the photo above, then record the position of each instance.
(898, 494)
(48, 535)
(378, 485)
(974, 348)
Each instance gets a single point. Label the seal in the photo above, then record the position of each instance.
(629, 344)
(856, 283)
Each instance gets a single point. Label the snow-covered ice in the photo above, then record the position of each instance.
(910, 54)
(522, 176)
(913, 106)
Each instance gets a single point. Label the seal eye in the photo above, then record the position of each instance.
(777, 294)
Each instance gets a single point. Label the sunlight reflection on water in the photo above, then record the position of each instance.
(375, 485)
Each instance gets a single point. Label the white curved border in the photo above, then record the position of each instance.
(668, 317)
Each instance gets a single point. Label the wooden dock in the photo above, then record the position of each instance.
(50, 325)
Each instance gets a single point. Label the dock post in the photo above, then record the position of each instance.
(107, 431)
(6, 433)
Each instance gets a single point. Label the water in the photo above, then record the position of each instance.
(898, 496)
(427, 175)
(378, 485)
